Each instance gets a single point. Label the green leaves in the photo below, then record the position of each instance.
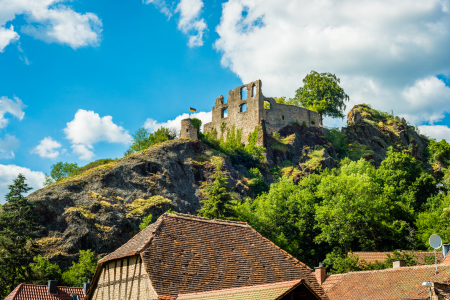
(142, 139)
(145, 222)
(218, 203)
(18, 229)
(43, 270)
(322, 93)
(61, 170)
(82, 271)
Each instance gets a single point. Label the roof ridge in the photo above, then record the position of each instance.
(296, 281)
(144, 231)
(203, 219)
(393, 269)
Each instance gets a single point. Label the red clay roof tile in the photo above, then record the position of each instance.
(371, 257)
(187, 254)
(398, 283)
(39, 292)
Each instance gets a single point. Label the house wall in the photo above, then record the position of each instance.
(124, 279)
(278, 116)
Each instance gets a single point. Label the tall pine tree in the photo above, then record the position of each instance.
(18, 229)
(218, 204)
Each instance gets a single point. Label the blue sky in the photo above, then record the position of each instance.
(79, 77)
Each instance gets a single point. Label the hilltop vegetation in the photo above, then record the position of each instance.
(375, 185)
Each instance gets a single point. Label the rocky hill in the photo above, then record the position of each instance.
(102, 208)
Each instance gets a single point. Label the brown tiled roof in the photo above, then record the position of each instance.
(271, 291)
(371, 257)
(39, 292)
(447, 259)
(186, 254)
(398, 283)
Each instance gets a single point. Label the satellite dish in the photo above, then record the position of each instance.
(435, 241)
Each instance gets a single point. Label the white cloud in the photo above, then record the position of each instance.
(83, 151)
(10, 172)
(47, 148)
(14, 107)
(153, 125)
(50, 21)
(438, 132)
(7, 36)
(88, 128)
(190, 22)
(7, 146)
(384, 52)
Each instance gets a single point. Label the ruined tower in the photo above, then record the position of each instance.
(245, 109)
(188, 131)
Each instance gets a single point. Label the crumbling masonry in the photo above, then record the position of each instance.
(245, 109)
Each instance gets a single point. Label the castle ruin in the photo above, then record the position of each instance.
(245, 109)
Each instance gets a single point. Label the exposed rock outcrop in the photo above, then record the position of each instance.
(102, 208)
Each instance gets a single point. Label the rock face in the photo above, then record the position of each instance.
(372, 133)
(103, 207)
(305, 147)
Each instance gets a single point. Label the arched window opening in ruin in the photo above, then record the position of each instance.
(243, 93)
(282, 117)
(244, 107)
(225, 113)
(266, 105)
(187, 130)
(253, 90)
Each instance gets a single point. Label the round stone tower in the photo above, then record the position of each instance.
(188, 131)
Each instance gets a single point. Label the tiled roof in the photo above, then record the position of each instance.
(398, 283)
(39, 292)
(371, 257)
(447, 259)
(261, 292)
(186, 254)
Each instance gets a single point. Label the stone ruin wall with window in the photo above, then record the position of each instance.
(245, 109)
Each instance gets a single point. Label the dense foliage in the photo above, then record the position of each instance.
(82, 271)
(142, 139)
(18, 231)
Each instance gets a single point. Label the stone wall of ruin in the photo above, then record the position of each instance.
(281, 115)
(278, 116)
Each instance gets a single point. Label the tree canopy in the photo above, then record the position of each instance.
(19, 225)
(321, 92)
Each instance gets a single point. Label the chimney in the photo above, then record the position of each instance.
(320, 272)
(52, 287)
(399, 263)
(86, 287)
(445, 250)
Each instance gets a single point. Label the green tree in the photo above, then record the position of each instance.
(339, 141)
(18, 229)
(82, 271)
(48, 181)
(218, 203)
(322, 93)
(257, 183)
(354, 214)
(285, 215)
(62, 170)
(435, 220)
(161, 135)
(43, 270)
(145, 222)
(140, 140)
(404, 180)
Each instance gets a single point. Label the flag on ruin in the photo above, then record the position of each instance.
(192, 110)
